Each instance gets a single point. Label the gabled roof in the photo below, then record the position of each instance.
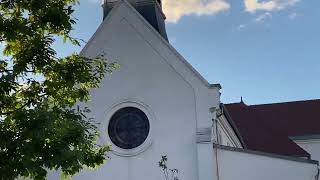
(268, 127)
(160, 40)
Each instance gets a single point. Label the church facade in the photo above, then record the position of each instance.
(157, 104)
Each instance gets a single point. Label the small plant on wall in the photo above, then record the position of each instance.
(169, 174)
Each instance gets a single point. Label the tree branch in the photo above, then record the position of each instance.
(11, 70)
(4, 1)
(23, 106)
(10, 112)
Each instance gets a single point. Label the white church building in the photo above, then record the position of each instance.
(157, 104)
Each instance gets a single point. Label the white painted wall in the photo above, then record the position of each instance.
(312, 146)
(224, 138)
(225, 134)
(207, 165)
(245, 166)
(154, 76)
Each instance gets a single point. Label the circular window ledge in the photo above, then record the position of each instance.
(109, 113)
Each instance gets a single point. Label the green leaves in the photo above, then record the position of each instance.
(48, 138)
(40, 128)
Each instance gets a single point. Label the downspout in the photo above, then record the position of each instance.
(216, 152)
(318, 174)
(216, 141)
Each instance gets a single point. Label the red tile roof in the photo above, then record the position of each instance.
(267, 127)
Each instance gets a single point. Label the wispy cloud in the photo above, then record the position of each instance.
(176, 9)
(268, 5)
(241, 26)
(263, 17)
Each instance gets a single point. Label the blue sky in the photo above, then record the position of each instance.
(266, 51)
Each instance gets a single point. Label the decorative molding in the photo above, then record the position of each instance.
(213, 86)
(204, 135)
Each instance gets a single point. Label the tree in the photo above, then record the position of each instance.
(41, 128)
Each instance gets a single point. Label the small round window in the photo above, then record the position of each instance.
(129, 128)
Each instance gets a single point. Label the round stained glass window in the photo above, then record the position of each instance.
(128, 128)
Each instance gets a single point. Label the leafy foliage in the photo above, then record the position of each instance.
(41, 128)
(169, 174)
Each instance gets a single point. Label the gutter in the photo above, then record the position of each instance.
(305, 137)
(277, 156)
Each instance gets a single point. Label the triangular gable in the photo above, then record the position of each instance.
(169, 53)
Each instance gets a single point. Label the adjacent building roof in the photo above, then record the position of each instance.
(268, 127)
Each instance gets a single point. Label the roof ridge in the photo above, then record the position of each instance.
(236, 103)
(286, 102)
(264, 104)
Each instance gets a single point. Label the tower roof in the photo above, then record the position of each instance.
(151, 10)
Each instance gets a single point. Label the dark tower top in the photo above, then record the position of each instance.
(151, 10)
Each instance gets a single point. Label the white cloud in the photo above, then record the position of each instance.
(263, 17)
(268, 5)
(241, 26)
(176, 9)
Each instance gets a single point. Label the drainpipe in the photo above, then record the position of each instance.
(216, 113)
(216, 152)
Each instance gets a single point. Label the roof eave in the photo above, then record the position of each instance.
(233, 125)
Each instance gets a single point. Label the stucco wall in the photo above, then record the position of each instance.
(207, 166)
(153, 77)
(250, 166)
(224, 138)
(225, 133)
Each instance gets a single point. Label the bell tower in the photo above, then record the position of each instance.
(151, 10)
